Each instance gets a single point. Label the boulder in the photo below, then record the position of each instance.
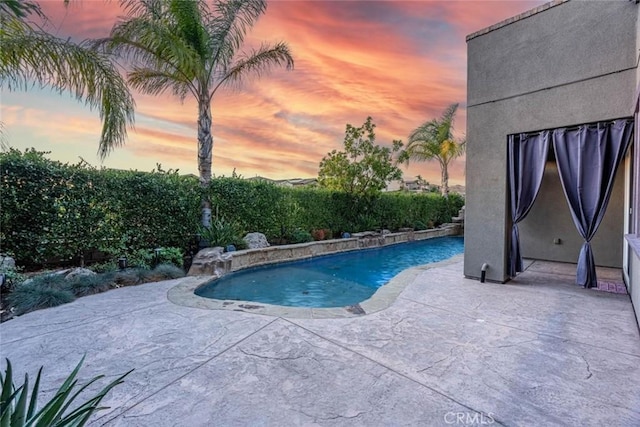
(7, 263)
(211, 262)
(256, 240)
(79, 272)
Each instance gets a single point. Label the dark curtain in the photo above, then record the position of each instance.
(587, 159)
(526, 156)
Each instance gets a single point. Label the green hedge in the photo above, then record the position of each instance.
(52, 210)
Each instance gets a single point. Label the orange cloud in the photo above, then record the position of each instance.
(400, 62)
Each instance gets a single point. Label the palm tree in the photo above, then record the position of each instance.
(189, 47)
(30, 55)
(434, 140)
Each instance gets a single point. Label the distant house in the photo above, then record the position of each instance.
(546, 90)
(261, 178)
(292, 182)
(416, 186)
(298, 182)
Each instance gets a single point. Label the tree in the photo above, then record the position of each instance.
(30, 55)
(363, 168)
(434, 140)
(189, 47)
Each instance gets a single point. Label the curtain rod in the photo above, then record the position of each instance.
(575, 127)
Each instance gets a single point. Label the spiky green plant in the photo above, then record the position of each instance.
(221, 232)
(18, 409)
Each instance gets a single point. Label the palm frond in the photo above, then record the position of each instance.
(28, 56)
(188, 23)
(150, 43)
(228, 28)
(19, 9)
(258, 62)
(155, 82)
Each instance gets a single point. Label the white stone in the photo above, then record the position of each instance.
(79, 272)
(7, 263)
(256, 241)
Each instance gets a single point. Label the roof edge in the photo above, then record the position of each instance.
(516, 18)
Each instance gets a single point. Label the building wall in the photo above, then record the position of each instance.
(634, 273)
(573, 63)
(537, 232)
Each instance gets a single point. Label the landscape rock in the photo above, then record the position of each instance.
(211, 262)
(7, 263)
(256, 241)
(79, 272)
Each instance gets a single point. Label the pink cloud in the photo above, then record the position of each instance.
(400, 62)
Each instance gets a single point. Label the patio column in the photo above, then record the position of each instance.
(587, 159)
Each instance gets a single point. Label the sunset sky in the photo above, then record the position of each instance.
(400, 62)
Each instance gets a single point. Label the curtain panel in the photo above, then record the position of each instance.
(526, 158)
(588, 158)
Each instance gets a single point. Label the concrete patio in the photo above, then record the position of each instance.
(450, 351)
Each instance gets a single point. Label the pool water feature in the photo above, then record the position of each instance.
(338, 280)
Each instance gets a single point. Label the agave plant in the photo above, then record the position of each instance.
(18, 409)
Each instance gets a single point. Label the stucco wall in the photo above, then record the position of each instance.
(537, 232)
(634, 272)
(573, 63)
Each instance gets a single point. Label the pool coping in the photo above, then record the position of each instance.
(184, 295)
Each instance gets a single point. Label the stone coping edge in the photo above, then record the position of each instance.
(249, 258)
(184, 295)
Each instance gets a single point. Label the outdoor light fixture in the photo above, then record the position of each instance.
(156, 257)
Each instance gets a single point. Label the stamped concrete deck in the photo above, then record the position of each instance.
(450, 351)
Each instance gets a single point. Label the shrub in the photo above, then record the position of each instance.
(162, 272)
(53, 211)
(56, 411)
(104, 267)
(33, 296)
(300, 236)
(130, 276)
(140, 258)
(12, 277)
(419, 225)
(240, 244)
(89, 285)
(170, 255)
(318, 234)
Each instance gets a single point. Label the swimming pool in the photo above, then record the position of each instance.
(329, 281)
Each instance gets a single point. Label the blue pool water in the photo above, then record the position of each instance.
(329, 281)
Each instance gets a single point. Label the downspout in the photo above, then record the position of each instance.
(483, 272)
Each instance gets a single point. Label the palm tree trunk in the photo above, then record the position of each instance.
(205, 149)
(444, 187)
(205, 141)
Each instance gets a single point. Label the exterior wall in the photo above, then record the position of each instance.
(573, 63)
(537, 232)
(633, 285)
(634, 273)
